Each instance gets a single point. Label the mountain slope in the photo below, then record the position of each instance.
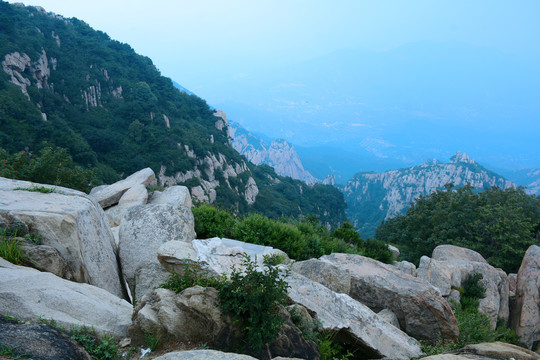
(373, 197)
(65, 84)
(279, 154)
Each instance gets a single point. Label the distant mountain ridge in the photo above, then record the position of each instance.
(279, 154)
(373, 197)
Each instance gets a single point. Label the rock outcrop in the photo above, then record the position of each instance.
(422, 312)
(143, 229)
(526, 309)
(370, 336)
(488, 351)
(27, 294)
(450, 265)
(203, 355)
(70, 222)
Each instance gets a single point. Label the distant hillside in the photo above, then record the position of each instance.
(373, 197)
(279, 154)
(65, 84)
(530, 178)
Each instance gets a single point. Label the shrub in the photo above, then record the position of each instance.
(377, 250)
(100, 349)
(212, 222)
(253, 299)
(192, 276)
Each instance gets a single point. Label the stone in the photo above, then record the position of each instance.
(72, 223)
(136, 195)
(216, 255)
(203, 355)
(370, 336)
(406, 267)
(329, 275)
(194, 316)
(394, 250)
(488, 351)
(45, 258)
(174, 195)
(40, 342)
(27, 294)
(143, 229)
(512, 280)
(110, 195)
(451, 265)
(389, 316)
(422, 312)
(525, 319)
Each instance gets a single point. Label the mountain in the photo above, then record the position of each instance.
(279, 154)
(372, 197)
(529, 178)
(63, 83)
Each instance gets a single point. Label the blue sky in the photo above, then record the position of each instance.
(412, 70)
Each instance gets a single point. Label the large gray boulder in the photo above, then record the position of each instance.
(110, 195)
(27, 294)
(331, 276)
(525, 319)
(488, 351)
(371, 336)
(216, 255)
(42, 342)
(449, 267)
(144, 228)
(174, 195)
(45, 258)
(203, 355)
(136, 195)
(70, 222)
(193, 316)
(422, 312)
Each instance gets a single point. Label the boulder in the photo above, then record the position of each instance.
(110, 195)
(451, 265)
(512, 279)
(136, 195)
(174, 195)
(70, 222)
(329, 275)
(203, 355)
(406, 267)
(216, 255)
(27, 294)
(45, 258)
(389, 316)
(394, 250)
(42, 342)
(194, 316)
(422, 312)
(488, 351)
(525, 319)
(369, 335)
(144, 228)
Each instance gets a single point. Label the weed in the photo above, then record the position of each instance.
(191, 276)
(10, 248)
(152, 341)
(330, 349)
(35, 188)
(100, 349)
(36, 239)
(12, 353)
(274, 259)
(51, 322)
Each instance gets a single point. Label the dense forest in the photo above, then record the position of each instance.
(66, 85)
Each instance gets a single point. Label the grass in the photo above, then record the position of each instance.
(12, 353)
(35, 188)
(10, 248)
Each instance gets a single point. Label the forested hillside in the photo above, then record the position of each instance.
(64, 84)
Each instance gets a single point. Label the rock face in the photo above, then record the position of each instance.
(421, 311)
(45, 258)
(19, 66)
(174, 195)
(110, 195)
(526, 309)
(216, 255)
(371, 336)
(279, 154)
(28, 294)
(136, 195)
(331, 276)
(394, 190)
(143, 229)
(70, 222)
(42, 342)
(451, 265)
(194, 316)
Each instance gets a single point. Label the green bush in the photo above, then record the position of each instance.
(253, 299)
(212, 222)
(100, 349)
(377, 250)
(191, 276)
(10, 247)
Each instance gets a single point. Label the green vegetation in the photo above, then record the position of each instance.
(105, 106)
(474, 326)
(191, 276)
(13, 353)
(300, 239)
(10, 247)
(103, 348)
(499, 224)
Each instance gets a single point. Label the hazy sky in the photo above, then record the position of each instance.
(197, 40)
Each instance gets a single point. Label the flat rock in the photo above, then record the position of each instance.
(144, 228)
(174, 195)
(329, 275)
(372, 336)
(70, 222)
(27, 294)
(203, 355)
(422, 312)
(110, 195)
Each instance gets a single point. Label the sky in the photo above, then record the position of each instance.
(228, 51)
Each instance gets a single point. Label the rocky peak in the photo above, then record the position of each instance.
(460, 157)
